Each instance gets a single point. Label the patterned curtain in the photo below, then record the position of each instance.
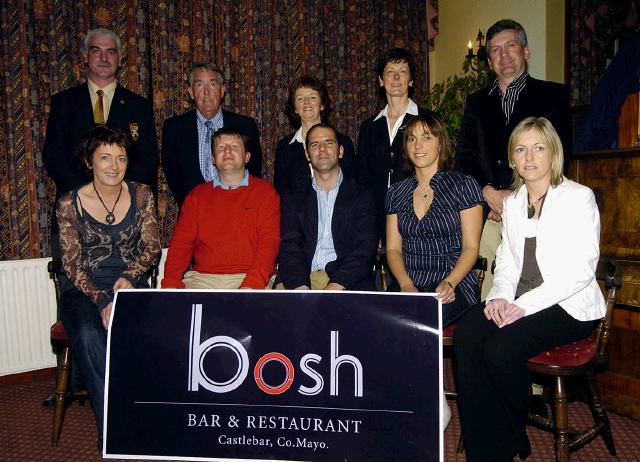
(262, 46)
(593, 25)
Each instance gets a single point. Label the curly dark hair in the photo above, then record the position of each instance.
(96, 137)
(307, 81)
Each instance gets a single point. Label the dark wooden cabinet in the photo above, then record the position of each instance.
(614, 177)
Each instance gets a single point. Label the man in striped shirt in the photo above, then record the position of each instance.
(492, 113)
(328, 231)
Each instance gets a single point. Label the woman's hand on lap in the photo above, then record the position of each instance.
(512, 313)
(494, 310)
(408, 287)
(121, 283)
(105, 314)
(446, 292)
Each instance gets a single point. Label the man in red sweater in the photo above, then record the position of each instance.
(230, 226)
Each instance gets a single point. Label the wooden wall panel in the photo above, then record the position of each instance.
(614, 177)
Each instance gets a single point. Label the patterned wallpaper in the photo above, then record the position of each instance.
(262, 46)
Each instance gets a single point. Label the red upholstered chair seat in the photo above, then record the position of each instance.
(449, 331)
(58, 332)
(571, 354)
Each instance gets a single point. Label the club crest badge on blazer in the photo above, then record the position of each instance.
(133, 128)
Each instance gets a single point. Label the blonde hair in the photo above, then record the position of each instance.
(550, 139)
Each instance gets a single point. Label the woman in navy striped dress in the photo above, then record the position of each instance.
(434, 221)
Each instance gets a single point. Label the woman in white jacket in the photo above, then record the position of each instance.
(544, 294)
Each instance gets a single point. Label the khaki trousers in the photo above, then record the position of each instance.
(488, 245)
(196, 280)
(319, 281)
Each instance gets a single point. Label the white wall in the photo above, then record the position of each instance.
(459, 21)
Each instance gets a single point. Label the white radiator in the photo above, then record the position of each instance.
(27, 310)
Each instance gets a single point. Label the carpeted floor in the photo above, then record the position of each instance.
(25, 432)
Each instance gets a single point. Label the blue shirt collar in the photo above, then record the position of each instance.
(218, 184)
(216, 119)
(338, 182)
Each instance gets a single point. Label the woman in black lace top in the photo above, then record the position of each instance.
(108, 239)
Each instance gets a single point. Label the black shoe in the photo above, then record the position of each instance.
(538, 407)
(50, 400)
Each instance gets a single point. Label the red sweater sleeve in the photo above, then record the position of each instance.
(268, 237)
(182, 243)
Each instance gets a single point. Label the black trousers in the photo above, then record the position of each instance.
(493, 379)
(82, 321)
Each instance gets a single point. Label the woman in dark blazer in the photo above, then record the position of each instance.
(380, 137)
(308, 105)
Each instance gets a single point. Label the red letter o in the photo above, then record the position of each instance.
(257, 373)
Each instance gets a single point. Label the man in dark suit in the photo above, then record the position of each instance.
(186, 138)
(379, 151)
(101, 100)
(492, 113)
(327, 233)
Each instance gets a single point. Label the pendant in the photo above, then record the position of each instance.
(531, 211)
(111, 218)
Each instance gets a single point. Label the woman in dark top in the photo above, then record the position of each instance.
(108, 239)
(434, 221)
(379, 156)
(308, 105)
(544, 294)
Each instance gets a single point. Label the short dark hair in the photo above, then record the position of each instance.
(307, 81)
(96, 137)
(321, 125)
(434, 124)
(229, 130)
(507, 24)
(396, 55)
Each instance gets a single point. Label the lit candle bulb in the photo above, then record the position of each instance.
(469, 49)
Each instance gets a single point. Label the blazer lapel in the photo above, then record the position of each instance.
(308, 216)
(341, 209)
(191, 141)
(117, 108)
(83, 106)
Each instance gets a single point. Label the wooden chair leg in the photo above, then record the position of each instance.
(598, 411)
(561, 420)
(61, 392)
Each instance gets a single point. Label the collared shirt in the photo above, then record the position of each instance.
(218, 184)
(412, 108)
(510, 97)
(325, 252)
(107, 97)
(204, 144)
(297, 137)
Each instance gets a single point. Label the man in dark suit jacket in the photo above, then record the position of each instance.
(490, 116)
(341, 255)
(492, 113)
(380, 140)
(79, 109)
(186, 138)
